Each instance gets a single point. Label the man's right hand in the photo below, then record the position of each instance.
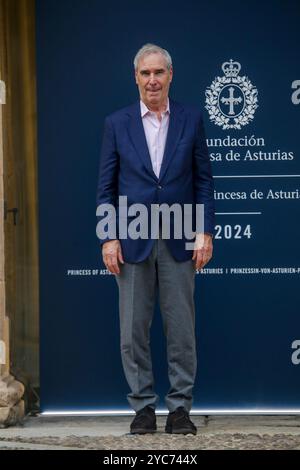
(112, 255)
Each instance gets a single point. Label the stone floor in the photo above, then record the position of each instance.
(110, 433)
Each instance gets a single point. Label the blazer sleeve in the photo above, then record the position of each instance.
(203, 179)
(107, 186)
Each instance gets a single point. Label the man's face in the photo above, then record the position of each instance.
(153, 79)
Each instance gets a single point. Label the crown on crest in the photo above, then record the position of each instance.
(231, 68)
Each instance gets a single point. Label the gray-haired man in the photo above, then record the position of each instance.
(154, 152)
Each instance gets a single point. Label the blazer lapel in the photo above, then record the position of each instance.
(174, 133)
(138, 138)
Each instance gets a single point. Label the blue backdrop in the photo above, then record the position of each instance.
(247, 299)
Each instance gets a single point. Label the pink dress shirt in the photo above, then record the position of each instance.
(156, 134)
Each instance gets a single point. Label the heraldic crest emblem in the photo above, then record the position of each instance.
(231, 100)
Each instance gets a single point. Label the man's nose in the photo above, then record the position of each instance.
(152, 78)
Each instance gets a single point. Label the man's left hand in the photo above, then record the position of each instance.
(203, 250)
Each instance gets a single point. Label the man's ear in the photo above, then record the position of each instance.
(171, 74)
(135, 76)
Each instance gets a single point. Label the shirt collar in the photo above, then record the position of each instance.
(145, 110)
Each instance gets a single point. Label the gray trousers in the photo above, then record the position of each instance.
(139, 284)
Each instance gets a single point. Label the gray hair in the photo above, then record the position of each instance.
(152, 49)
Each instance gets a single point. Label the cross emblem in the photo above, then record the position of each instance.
(231, 100)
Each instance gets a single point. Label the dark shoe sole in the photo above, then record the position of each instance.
(143, 431)
(169, 430)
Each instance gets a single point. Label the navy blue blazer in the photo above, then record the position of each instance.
(185, 176)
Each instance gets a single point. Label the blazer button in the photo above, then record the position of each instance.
(159, 186)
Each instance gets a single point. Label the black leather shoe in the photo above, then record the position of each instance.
(178, 422)
(144, 421)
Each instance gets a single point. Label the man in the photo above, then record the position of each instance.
(155, 152)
